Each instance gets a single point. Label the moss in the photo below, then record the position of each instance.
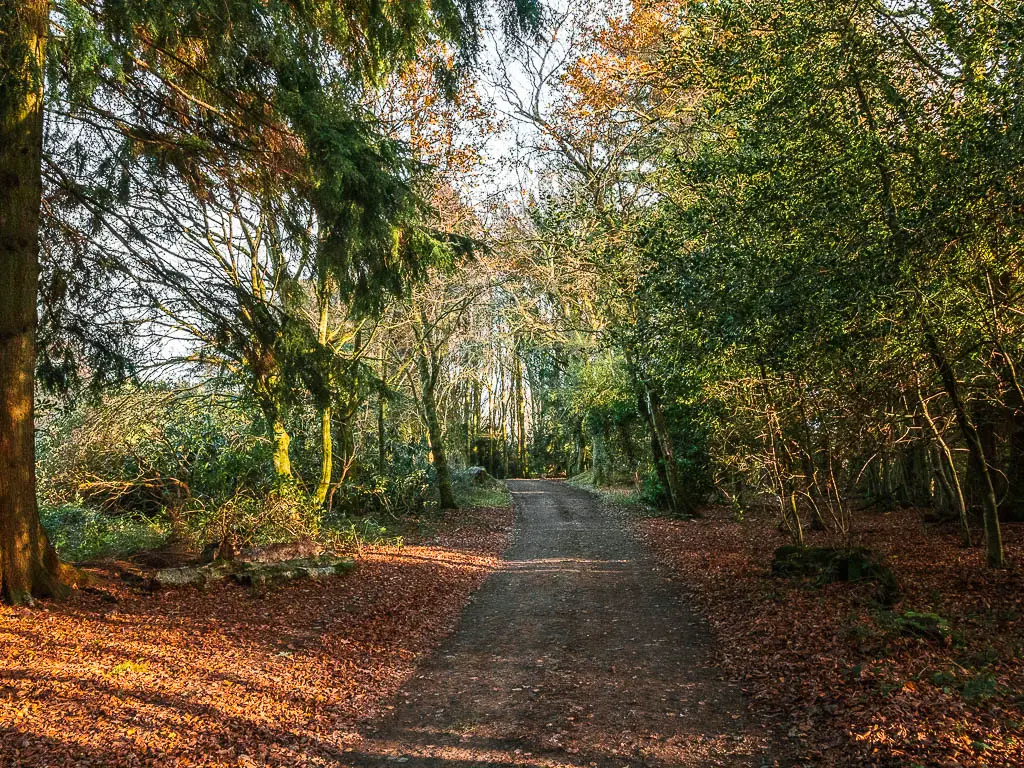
(927, 626)
(254, 574)
(826, 565)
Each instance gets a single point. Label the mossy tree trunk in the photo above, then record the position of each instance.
(326, 437)
(428, 369)
(326, 456)
(975, 449)
(438, 455)
(282, 444)
(280, 440)
(28, 564)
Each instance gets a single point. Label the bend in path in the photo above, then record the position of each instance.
(576, 653)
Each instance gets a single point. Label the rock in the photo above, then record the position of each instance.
(827, 565)
(253, 574)
(269, 574)
(193, 575)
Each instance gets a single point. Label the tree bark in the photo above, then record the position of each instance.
(946, 464)
(521, 416)
(438, 456)
(382, 453)
(282, 441)
(29, 566)
(326, 438)
(667, 452)
(993, 534)
(659, 459)
(435, 435)
(326, 456)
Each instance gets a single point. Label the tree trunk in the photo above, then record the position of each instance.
(1015, 463)
(521, 417)
(381, 405)
(627, 447)
(473, 424)
(435, 435)
(982, 415)
(28, 564)
(326, 438)
(281, 457)
(326, 456)
(946, 471)
(993, 534)
(280, 440)
(807, 461)
(599, 457)
(438, 457)
(668, 453)
(659, 458)
(347, 438)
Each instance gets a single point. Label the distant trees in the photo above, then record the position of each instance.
(813, 268)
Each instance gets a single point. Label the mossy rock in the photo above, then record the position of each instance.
(253, 574)
(827, 565)
(269, 574)
(927, 626)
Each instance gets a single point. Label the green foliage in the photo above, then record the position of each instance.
(141, 450)
(80, 533)
(284, 513)
(980, 687)
(827, 260)
(473, 487)
(360, 532)
(924, 625)
(974, 687)
(388, 496)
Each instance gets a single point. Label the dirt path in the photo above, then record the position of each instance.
(576, 653)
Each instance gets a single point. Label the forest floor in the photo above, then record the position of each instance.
(843, 681)
(582, 647)
(577, 652)
(227, 677)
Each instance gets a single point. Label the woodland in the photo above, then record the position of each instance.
(289, 288)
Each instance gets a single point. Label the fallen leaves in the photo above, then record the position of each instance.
(824, 667)
(227, 677)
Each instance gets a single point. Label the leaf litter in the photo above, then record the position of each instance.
(226, 676)
(843, 681)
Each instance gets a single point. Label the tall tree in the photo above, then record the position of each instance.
(28, 564)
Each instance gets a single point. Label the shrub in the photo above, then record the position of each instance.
(143, 449)
(285, 513)
(80, 533)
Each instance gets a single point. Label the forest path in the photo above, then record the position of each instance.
(576, 653)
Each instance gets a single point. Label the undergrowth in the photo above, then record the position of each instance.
(476, 496)
(80, 533)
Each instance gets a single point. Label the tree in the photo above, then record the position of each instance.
(28, 564)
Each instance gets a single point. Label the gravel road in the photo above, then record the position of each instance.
(578, 652)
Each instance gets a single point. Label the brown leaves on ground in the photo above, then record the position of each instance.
(228, 677)
(830, 670)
